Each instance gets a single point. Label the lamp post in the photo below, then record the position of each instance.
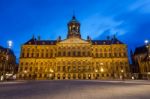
(122, 76)
(148, 56)
(51, 73)
(25, 73)
(101, 69)
(7, 57)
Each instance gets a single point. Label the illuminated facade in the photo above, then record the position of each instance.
(73, 57)
(7, 61)
(141, 60)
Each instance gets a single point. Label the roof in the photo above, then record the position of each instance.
(34, 41)
(116, 41)
(73, 20)
(101, 42)
(9, 50)
(74, 40)
(106, 42)
(140, 50)
(40, 42)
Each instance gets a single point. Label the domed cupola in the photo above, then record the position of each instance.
(73, 28)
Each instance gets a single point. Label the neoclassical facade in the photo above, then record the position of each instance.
(141, 60)
(7, 61)
(73, 57)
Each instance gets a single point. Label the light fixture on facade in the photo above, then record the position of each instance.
(101, 64)
(102, 70)
(51, 71)
(25, 71)
(96, 70)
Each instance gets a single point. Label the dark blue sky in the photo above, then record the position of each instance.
(20, 19)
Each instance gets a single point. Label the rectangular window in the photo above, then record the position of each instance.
(58, 68)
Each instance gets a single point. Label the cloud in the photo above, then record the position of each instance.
(142, 6)
(96, 25)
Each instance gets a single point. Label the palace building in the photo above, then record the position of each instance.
(73, 57)
(141, 61)
(7, 62)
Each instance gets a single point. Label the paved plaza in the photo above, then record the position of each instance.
(75, 89)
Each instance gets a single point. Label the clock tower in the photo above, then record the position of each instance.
(73, 28)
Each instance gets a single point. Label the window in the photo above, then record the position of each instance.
(74, 68)
(68, 53)
(30, 68)
(74, 53)
(32, 55)
(59, 54)
(58, 68)
(79, 68)
(46, 54)
(22, 54)
(79, 54)
(37, 55)
(69, 69)
(64, 68)
(25, 68)
(27, 54)
(41, 54)
(64, 53)
(96, 54)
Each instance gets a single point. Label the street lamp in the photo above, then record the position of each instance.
(7, 57)
(146, 41)
(122, 76)
(51, 73)
(10, 43)
(25, 72)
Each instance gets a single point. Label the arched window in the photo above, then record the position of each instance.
(22, 54)
(74, 53)
(69, 54)
(64, 53)
(59, 54)
(79, 53)
(27, 54)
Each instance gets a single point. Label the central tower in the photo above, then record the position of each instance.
(73, 28)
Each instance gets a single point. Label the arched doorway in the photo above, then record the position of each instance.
(69, 76)
(64, 76)
(79, 76)
(84, 76)
(89, 76)
(58, 76)
(74, 76)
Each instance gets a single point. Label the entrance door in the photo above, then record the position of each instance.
(74, 76)
(89, 76)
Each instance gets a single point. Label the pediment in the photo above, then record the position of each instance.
(74, 40)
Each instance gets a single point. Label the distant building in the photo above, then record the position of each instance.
(141, 61)
(7, 61)
(73, 57)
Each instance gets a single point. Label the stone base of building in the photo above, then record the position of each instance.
(72, 76)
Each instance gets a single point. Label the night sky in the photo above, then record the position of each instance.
(20, 19)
